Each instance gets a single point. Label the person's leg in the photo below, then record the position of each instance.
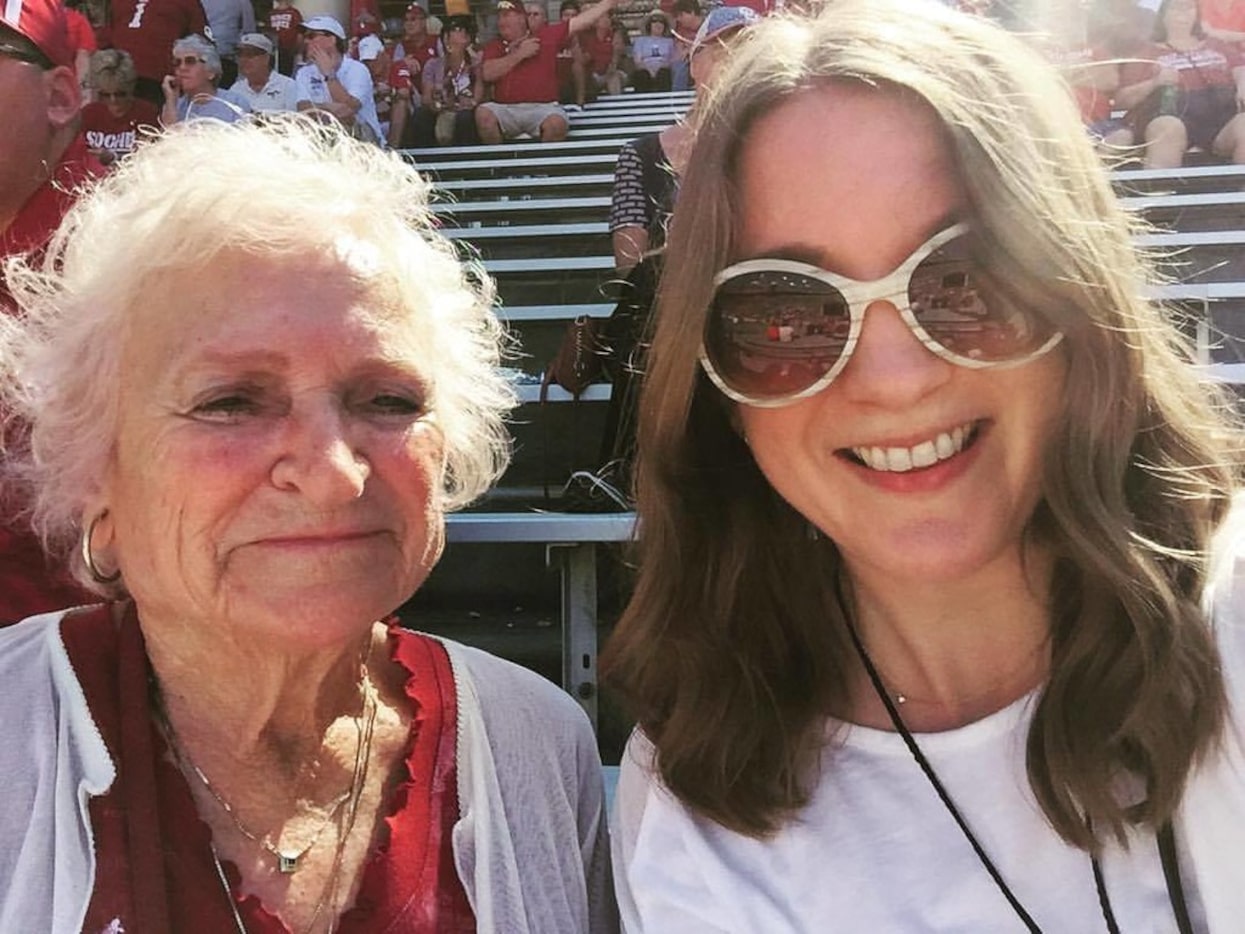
(1166, 142)
(662, 80)
(554, 128)
(487, 125)
(1230, 141)
(398, 117)
(642, 81)
(465, 129)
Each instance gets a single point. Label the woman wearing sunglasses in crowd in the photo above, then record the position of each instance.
(113, 122)
(190, 93)
(929, 632)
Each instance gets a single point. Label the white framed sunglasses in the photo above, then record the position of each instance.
(779, 330)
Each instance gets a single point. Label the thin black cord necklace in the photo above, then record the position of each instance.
(1103, 900)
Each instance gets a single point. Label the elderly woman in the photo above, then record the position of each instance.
(114, 119)
(191, 91)
(251, 413)
(927, 635)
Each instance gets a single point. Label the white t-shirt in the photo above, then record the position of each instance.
(357, 81)
(876, 851)
(278, 93)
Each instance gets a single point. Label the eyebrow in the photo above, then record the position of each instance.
(822, 258)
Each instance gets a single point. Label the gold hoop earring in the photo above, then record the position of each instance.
(89, 559)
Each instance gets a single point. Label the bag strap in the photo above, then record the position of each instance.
(1171, 873)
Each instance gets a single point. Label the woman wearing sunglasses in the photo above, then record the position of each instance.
(113, 121)
(929, 633)
(190, 93)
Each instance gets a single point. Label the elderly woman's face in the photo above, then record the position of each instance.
(920, 470)
(277, 465)
(192, 72)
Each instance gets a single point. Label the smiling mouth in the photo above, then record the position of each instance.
(943, 446)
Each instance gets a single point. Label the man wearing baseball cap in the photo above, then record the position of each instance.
(262, 87)
(331, 83)
(42, 162)
(522, 67)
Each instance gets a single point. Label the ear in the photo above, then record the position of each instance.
(64, 98)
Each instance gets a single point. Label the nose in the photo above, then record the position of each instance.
(890, 366)
(321, 457)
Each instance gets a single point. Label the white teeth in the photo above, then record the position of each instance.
(924, 454)
(900, 460)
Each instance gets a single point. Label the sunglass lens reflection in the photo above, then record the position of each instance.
(772, 334)
(970, 312)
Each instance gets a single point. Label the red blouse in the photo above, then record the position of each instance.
(154, 867)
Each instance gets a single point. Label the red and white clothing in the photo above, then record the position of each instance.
(85, 771)
(29, 582)
(409, 884)
(416, 57)
(147, 30)
(600, 52)
(117, 135)
(284, 22)
(1210, 65)
(533, 80)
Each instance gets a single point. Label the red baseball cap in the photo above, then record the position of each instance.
(43, 22)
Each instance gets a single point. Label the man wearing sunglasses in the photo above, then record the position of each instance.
(42, 161)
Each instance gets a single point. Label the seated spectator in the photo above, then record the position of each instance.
(623, 63)
(112, 121)
(1186, 92)
(653, 54)
(147, 31)
(452, 87)
(285, 22)
(600, 63)
(687, 20)
(260, 86)
(520, 65)
(190, 93)
(1090, 69)
(332, 85)
(393, 102)
(417, 45)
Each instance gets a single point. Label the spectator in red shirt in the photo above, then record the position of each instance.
(147, 30)
(602, 68)
(113, 121)
(417, 46)
(1224, 20)
(521, 66)
(43, 160)
(285, 23)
